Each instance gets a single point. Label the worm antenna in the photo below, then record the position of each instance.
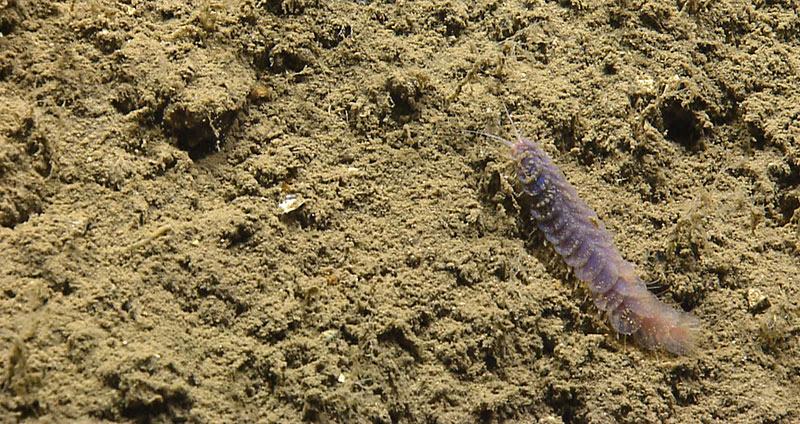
(492, 136)
(513, 125)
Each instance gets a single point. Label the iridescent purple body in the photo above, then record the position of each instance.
(578, 235)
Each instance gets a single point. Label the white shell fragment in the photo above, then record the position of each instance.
(289, 203)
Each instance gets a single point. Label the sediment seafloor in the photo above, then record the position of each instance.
(239, 211)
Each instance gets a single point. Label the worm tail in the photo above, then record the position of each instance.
(632, 309)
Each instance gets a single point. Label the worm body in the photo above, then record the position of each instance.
(578, 235)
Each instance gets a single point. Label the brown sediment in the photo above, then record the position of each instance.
(404, 289)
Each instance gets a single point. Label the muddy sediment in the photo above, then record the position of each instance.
(269, 212)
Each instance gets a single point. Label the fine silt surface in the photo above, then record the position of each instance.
(268, 211)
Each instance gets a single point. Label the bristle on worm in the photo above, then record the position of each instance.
(578, 235)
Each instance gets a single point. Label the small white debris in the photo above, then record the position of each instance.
(330, 335)
(341, 378)
(290, 202)
(648, 83)
(757, 301)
